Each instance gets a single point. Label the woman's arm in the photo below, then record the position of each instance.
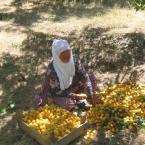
(84, 77)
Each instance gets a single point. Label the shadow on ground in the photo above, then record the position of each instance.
(20, 74)
(116, 53)
(26, 16)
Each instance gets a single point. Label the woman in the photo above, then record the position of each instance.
(65, 79)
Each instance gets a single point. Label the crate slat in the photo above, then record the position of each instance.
(73, 135)
(34, 134)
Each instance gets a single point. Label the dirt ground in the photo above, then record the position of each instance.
(110, 42)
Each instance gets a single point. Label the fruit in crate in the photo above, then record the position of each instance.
(51, 119)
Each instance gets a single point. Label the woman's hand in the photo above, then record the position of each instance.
(79, 96)
(98, 100)
(95, 100)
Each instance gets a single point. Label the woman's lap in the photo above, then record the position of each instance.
(69, 103)
(66, 103)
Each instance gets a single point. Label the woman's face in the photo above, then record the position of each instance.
(65, 56)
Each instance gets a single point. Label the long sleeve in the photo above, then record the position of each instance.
(84, 77)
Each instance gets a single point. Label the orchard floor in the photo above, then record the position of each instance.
(114, 37)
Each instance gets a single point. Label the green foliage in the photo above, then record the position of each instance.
(3, 111)
(137, 4)
(9, 107)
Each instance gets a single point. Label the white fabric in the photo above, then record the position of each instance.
(65, 71)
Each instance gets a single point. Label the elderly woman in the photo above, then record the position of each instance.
(65, 79)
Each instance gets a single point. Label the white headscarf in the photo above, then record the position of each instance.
(65, 71)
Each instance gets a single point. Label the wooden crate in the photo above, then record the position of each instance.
(45, 141)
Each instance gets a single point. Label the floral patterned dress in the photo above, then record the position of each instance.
(82, 83)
